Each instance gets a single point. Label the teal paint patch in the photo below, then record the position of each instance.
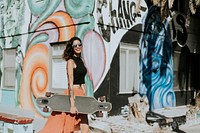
(89, 86)
(83, 29)
(79, 8)
(8, 98)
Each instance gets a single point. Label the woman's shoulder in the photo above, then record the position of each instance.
(70, 63)
(70, 60)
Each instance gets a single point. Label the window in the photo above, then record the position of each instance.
(58, 75)
(177, 71)
(129, 68)
(176, 62)
(9, 60)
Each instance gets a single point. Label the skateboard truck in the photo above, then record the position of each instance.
(45, 109)
(48, 94)
(101, 107)
(44, 101)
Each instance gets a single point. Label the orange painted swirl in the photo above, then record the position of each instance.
(35, 71)
(64, 21)
(34, 74)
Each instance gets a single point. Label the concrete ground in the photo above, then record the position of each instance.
(190, 129)
(183, 129)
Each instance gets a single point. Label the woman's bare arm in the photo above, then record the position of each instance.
(70, 67)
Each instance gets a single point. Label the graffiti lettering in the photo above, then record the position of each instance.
(122, 17)
(181, 35)
(104, 30)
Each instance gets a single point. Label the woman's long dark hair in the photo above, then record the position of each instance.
(69, 52)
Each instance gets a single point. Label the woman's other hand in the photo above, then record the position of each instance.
(73, 110)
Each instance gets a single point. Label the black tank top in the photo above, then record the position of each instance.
(80, 71)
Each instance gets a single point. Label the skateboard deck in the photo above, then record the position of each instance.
(162, 120)
(61, 103)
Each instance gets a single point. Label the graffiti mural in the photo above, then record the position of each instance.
(57, 21)
(12, 14)
(113, 20)
(30, 26)
(156, 66)
(11, 20)
(50, 21)
(100, 24)
(18, 72)
(122, 15)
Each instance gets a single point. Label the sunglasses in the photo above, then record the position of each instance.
(76, 45)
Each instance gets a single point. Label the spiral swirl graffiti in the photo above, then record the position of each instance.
(34, 75)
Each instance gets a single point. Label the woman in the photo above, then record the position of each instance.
(60, 122)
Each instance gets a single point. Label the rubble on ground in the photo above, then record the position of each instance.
(193, 113)
(121, 124)
(133, 117)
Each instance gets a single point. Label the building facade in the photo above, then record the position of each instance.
(116, 51)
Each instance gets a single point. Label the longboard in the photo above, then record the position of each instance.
(61, 103)
(162, 120)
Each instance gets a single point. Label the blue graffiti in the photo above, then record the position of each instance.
(156, 65)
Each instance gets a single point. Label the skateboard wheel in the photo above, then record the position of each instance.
(48, 94)
(45, 109)
(174, 125)
(91, 128)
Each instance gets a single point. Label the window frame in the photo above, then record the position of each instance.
(6, 67)
(135, 49)
(56, 56)
(176, 55)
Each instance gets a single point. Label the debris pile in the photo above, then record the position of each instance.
(138, 107)
(131, 119)
(193, 114)
(120, 124)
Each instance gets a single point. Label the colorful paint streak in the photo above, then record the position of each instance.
(108, 21)
(34, 75)
(79, 8)
(65, 30)
(156, 66)
(11, 21)
(35, 79)
(65, 18)
(113, 20)
(36, 62)
(11, 16)
(95, 64)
